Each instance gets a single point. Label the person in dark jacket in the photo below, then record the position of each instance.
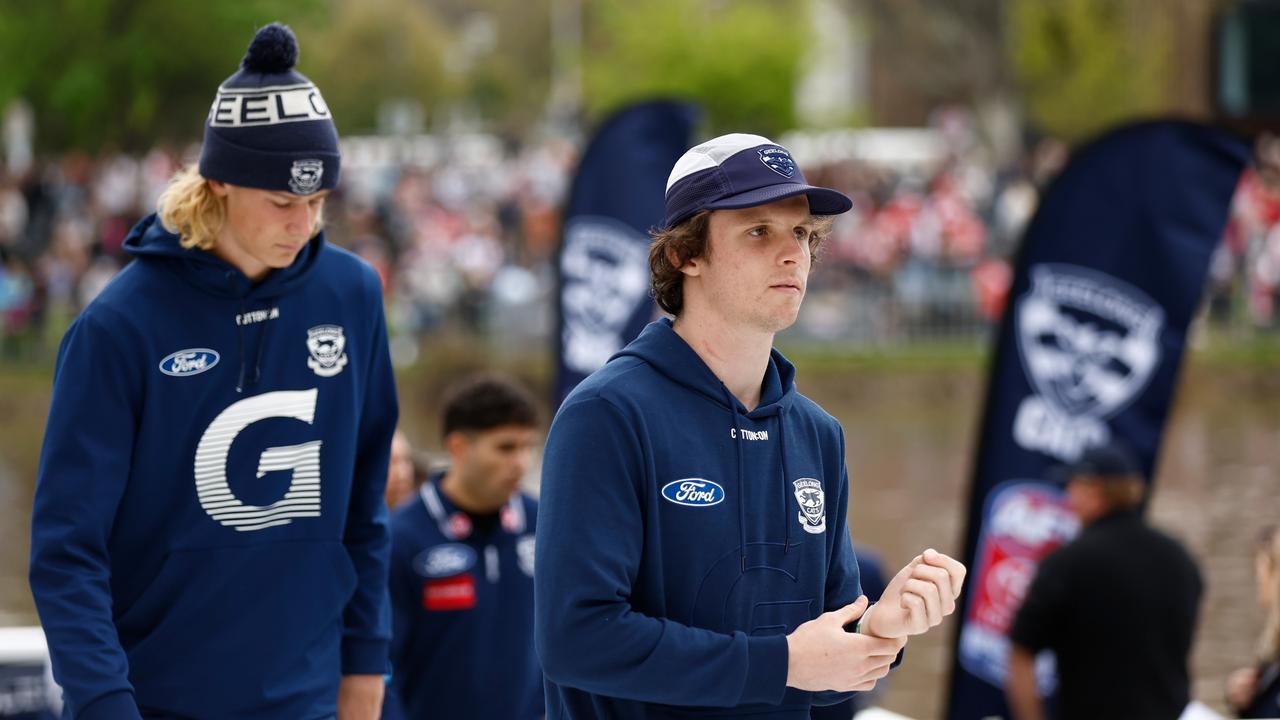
(209, 537)
(462, 568)
(693, 554)
(1254, 692)
(1117, 605)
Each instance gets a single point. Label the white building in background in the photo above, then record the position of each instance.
(832, 89)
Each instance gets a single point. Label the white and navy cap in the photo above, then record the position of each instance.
(740, 171)
(269, 128)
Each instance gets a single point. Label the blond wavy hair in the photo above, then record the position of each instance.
(189, 208)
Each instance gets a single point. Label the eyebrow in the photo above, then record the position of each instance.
(809, 220)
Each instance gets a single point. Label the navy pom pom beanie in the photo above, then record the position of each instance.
(269, 128)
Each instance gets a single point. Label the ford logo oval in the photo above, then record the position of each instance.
(189, 362)
(444, 560)
(694, 492)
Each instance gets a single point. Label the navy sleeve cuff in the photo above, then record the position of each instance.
(766, 670)
(365, 657)
(118, 705)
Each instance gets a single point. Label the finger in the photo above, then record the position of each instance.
(875, 672)
(941, 580)
(863, 687)
(932, 599)
(955, 569)
(850, 612)
(881, 648)
(917, 616)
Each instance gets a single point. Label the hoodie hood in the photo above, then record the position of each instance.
(668, 353)
(151, 241)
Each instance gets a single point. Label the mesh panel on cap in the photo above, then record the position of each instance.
(691, 194)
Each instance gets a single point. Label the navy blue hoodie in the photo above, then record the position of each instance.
(209, 538)
(681, 537)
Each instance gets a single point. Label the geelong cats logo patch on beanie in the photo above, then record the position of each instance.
(305, 176)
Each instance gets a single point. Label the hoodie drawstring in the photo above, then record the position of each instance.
(240, 338)
(786, 521)
(735, 432)
(257, 360)
(742, 483)
(262, 344)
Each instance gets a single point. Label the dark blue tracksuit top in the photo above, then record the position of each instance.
(209, 538)
(680, 538)
(462, 609)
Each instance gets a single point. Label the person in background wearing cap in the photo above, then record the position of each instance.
(693, 555)
(462, 568)
(1117, 605)
(209, 537)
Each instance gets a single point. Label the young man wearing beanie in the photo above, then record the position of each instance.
(693, 556)
(209, 538)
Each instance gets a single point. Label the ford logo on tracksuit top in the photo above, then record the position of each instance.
(695, 492)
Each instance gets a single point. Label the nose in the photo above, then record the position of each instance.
(298, 223)
(794, 251)
(523, 460)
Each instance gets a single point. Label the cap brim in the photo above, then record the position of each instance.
(822, 201)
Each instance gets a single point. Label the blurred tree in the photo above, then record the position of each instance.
(1085, 65)
(738, 58)
(501, 57)
(128, 73)
(373, 51)
(927, 53)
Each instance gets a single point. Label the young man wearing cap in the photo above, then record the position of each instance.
(209, 538)
(693, 557)
(462, 568)
(1117, 605)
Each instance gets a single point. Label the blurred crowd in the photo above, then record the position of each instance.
(465, 241)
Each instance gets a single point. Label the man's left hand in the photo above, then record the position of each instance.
(360, 697)
(918, 597)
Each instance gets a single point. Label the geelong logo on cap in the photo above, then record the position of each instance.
(250, 107)
(778, 160)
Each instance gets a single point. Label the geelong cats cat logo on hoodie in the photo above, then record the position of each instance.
(327, 347)
(813, 505)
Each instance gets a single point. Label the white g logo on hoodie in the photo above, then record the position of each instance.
(303, 497)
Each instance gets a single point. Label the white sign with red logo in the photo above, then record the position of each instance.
(1022, 522)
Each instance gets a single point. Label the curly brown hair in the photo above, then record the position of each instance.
(674, 247)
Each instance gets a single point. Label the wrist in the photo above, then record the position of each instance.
(863, 626)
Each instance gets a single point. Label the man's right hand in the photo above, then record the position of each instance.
(822, 655)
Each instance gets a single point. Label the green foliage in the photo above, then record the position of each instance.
(1085, 65)
(376, 50)
(739, 59)
(101, 73)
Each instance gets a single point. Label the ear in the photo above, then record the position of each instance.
(457, 444)
(219, 188)
(691, 268)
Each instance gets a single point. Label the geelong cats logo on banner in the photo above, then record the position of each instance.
(605, 271)
(1089, 344)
